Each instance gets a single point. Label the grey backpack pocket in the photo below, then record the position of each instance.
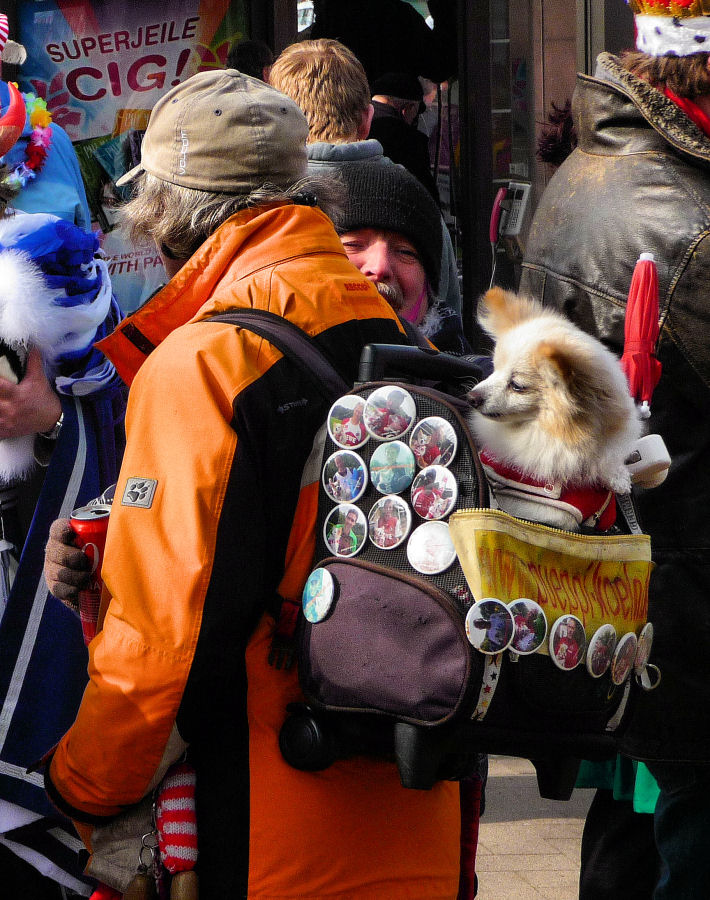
(391, 643)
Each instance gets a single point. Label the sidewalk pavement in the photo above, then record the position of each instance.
(528, 848)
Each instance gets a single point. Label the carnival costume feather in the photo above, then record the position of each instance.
(54, 294)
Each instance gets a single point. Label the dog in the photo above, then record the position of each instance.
(555, 420)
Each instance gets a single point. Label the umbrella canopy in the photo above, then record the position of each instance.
(641, 333)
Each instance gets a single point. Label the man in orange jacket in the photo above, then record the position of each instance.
(210, 520)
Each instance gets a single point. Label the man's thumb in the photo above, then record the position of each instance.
(34, 366)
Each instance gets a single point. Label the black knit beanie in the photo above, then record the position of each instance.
(389, 198)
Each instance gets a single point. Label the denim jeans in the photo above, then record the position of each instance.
(682, 830)
(618, 858)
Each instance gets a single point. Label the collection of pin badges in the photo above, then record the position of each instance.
(410, 469)
(521, 627)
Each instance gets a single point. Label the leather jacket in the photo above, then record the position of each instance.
(640, 181)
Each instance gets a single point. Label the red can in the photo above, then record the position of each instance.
(90, 524)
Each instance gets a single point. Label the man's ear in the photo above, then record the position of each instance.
(365, 121)
(410, 112)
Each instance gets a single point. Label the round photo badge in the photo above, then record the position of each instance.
(318, 595)
(344, 476)
(530, 626)
(433, 442)
(345, 530)
(392, 467)
(490, 626)
(345, 422)
(434, 492)
(389, 412)
(600, 650)
(622, 661)
(430, 549)
(390, 520)
(643, 651)
(567, 642)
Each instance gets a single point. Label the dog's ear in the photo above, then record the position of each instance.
(500, 310)
(559, 358)
(576, 367)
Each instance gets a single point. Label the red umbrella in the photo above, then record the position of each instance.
(641, 333)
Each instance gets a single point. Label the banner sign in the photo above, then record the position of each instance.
(101, 66)
(598, 579)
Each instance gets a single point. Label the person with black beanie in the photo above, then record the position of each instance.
(391, 230)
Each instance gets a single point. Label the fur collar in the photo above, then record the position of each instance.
(664, 116)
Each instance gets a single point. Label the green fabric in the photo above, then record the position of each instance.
(628, 779)
(646, 790)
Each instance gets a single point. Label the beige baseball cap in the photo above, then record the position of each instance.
(223, 131)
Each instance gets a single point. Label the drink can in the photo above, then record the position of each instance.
(90, 524)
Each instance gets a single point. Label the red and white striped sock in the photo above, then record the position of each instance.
(176, 819)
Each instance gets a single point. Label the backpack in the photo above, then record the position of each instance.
(434, 628)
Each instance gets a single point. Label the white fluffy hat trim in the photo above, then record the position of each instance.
(672, 36)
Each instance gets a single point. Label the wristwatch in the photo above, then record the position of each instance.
(55, 430)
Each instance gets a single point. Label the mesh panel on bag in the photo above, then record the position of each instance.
(471, 491)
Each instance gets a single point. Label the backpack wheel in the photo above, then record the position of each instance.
(306, 744)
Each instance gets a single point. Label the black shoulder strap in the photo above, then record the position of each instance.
(294, 343)
(297, 346)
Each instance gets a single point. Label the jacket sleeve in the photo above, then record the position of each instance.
(158, 564)
(687, 319)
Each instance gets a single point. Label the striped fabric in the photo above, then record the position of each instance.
(175, 818)
(43, 658)
(4, 31)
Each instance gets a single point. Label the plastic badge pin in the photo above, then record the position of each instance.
(344, 476)
(430, 549)
(623, 660)
(345, 530)
(433, 442)
(567, 642)
(530, 626)
(345, 422)
(318, 595)
(490, 626)
(389, 412)
(434, 492)
(390, 521)
(392, 467)
(600, 650)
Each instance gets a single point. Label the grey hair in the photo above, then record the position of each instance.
(181, 219)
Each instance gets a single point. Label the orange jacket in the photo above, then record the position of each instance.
(219, 426)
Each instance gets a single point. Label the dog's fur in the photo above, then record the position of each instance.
(557, 406)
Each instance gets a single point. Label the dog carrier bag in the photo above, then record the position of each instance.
(434, 628)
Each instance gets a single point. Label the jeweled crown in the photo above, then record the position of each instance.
(679, 9)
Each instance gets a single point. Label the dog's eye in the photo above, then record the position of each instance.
(516, 386)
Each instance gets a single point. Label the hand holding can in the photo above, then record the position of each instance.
(90, 524)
